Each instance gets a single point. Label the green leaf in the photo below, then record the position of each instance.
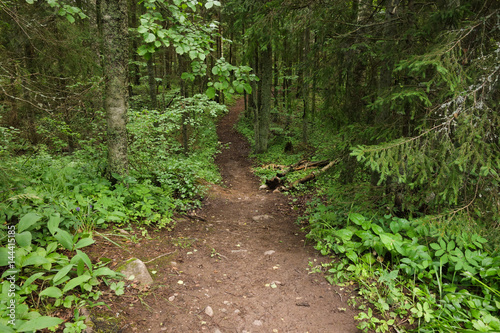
(209, 4)
(142, 29)
(369, 258)
(150, 38)
(104, 271)
(356, 218)
(24, 239)
(64, 238)
(377, 229)
(239, 88)
(179, 49)
(27, 221)
(439, 253)
(32, 278)
(435, 246)
(344, 234)
(75, 282)
(34, 260)
(70, 18)
(39, 323)
(352, 256)
(210, 92)
(388, 240)
(52, 292)
(85, 258)
(53, 223)
(62, 272)
(248, 88)
(142, 50)
(3, 328)
(84, 242)
(4, 261)
(185, 75)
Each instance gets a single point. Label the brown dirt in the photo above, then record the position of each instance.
(220, 258)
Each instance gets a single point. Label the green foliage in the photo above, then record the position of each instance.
(420, 274)
(55, 203)
(69, 12)
(187, 32)
(159, 134)
(224, 72)
(454, 160)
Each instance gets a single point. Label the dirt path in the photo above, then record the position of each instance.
(242, 267)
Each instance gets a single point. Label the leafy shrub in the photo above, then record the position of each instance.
(159, 134)
(410, 271)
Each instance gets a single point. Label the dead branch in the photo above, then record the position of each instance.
(311, 176)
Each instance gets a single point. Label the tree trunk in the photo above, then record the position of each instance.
(184, 94)
(152, 83)
(115, 47)
(264, 109)
(305, 87)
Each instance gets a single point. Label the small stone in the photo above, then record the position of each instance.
(135, 269)
(263, 187)
(209, 311)
(171, 298)
(261, 217)
(237, 311)
(257, 323)
(270, 252)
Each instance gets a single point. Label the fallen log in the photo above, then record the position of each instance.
(277, 182)
(303, 164)
(311, 176)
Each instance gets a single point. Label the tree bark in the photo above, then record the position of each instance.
(115, 47)
(152, 83)
(264, 110)
(311, 176)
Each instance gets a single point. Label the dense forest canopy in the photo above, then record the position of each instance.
(112, 104)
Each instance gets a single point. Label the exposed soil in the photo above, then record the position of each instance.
(242, 255)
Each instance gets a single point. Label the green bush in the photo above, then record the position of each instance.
(410, 271)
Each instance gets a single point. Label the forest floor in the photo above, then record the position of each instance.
(240, 264)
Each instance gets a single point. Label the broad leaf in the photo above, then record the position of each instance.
(84, 242)
(24, 239)
(64, 238)
(27, 221)
(75, 282)
(150, 38)
(39, 323)
(35, 260)
(52, 292)
(4, 261)
(85, 258)
(6, 329)
(104, 271)
(53, 223)
(62, 272)
(210, 92)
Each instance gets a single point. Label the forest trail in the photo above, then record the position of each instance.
(241, 266)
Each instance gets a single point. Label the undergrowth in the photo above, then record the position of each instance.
(413, 271)
(52, 205)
